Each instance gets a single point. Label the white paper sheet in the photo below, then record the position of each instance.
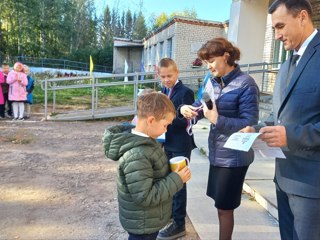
(241, 141)
(261, 149)
(244, 141)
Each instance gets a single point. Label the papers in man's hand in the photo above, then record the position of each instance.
(261, 149)
(244, 141)
(241, 141)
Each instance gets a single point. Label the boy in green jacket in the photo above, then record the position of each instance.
(145, 186)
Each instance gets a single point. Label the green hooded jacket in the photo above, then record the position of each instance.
(145, 186)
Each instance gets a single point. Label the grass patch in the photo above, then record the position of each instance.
(17, 140)
(202, 151)
(107, 96)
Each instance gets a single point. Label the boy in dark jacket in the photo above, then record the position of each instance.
(178, 142)
(145, 186)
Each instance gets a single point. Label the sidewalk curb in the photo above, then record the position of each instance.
(264, 202)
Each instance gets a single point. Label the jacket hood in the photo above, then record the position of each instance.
(118, 139)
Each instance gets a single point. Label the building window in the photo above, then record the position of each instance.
(279, 53)
(149, 56)
(161, 50)
(153, 54)
(169, 48)
(145, 56)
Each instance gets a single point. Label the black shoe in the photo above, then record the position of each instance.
(171, 231)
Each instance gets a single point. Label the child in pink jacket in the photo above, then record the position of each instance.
(1, 97)
(17, 81)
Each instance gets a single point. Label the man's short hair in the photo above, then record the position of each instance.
(294, 7)
(167, 62)
(155, 104)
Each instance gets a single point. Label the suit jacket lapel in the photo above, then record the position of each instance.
(175, 89)
(301, 65)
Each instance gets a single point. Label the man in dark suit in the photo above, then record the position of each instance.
(296, 116)
(178, 141)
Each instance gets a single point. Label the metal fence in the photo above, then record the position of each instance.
(60, 63)
(263, 73)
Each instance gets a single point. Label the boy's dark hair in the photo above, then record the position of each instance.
(294, 7)
(155, 104)
(5, 64)
(218, 47)
(167, 62)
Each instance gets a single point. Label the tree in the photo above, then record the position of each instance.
(67, 29)
(106, 31)
(140, 29)
(190, 13)
(128, 25)
(160, 20)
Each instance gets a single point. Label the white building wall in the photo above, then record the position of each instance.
(247, 28)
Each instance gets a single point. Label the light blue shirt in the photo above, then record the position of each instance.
(304, 46)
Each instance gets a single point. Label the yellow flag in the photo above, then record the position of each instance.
(91, 65)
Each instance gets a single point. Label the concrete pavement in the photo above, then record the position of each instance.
(256, 218)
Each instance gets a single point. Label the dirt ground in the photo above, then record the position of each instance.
(55, 182)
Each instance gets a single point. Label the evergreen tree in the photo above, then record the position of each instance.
(128, 25)
(140, 29)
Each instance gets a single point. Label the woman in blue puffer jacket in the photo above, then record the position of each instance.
(236, 98)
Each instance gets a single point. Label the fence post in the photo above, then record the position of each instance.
(97, 92)
(54, 98)
(135, 89)
(92, 96)
(45, 99)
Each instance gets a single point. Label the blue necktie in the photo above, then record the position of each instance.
(168, 90)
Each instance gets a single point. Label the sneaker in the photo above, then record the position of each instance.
(171, 231)
(21, 119)
(14, 119)
(2, 118)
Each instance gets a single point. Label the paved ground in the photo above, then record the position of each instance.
(252, 221)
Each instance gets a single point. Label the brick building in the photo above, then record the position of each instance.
(249, 28)
(180, 38)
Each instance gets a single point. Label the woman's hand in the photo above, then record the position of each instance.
(212, 115)
(248, 129)
(189, 111)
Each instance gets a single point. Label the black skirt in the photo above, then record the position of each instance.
(225, 186)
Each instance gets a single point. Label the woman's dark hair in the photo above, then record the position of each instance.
(294, 7)
(218, 47)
